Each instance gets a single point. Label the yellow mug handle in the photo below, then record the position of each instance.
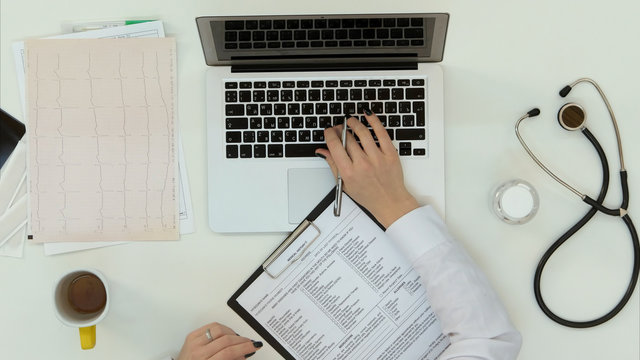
(88, 337)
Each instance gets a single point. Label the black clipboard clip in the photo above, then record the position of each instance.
(286, 254)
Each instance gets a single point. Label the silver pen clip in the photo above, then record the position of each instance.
(285, 255)
(337, 205)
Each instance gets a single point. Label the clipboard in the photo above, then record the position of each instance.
(289, 251)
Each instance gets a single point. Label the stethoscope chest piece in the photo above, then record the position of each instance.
(571, 117)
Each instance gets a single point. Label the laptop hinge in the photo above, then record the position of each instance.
(324, 67)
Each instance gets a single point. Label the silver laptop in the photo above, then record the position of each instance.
(276, 82)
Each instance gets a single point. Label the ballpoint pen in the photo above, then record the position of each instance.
(337, 205)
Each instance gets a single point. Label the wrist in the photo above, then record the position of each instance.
(396, 209)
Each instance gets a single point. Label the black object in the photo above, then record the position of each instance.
(11, 131)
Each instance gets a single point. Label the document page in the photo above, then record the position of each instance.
(352, 295)
(102, 142)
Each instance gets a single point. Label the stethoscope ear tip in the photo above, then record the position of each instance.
(565, 91)
(533, 112)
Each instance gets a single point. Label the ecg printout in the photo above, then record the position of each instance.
(102, 139)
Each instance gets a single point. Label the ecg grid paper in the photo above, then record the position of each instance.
(102, 139)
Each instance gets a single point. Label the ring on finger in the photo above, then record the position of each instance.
(208, 335)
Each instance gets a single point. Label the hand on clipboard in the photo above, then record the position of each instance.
(372, 175)
(335, 284)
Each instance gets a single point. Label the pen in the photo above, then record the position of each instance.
(337, 205)
(105, 24)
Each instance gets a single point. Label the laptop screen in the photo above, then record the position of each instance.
(380, 38)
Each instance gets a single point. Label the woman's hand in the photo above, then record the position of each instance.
(223, 344)
(372, 175)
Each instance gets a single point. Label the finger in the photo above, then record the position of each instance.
(336, 149)
(216, 329)
(222, 343)
(237, 351)
(369, 145)
(353, 148)
(326, 155)
(381, 133)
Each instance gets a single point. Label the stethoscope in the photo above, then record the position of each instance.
(571, 116)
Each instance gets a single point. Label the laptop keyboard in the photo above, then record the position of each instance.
(275, 118)
(324, 33)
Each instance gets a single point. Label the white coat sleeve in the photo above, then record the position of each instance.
(469, 310)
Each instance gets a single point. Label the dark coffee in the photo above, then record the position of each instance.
(87, 294)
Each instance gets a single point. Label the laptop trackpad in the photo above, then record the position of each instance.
(307, 187)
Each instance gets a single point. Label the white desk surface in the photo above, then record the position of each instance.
(501, 59)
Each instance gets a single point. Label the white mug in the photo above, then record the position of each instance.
(78, 301)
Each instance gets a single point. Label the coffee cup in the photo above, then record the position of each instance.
(81, 300)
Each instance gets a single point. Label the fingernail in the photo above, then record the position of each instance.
(249, 355)
(257, 344)
(367, 111)
(320, 156)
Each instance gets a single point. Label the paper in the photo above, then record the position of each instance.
(102, 159)
(149, 29)
(352, 296)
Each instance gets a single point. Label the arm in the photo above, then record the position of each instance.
(469, 311)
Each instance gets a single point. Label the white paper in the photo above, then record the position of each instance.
(13, 203)
(352, 296)
(148, 29)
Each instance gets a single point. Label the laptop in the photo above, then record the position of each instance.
(276, 82)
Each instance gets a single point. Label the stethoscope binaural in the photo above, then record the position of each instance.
(571, 116)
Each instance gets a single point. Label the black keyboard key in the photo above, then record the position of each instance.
(403, 22)
(318, 135)
(313, 34)
(346, 83)
(335, 108)
(404, 107)
(396, 33)
(417, 82)
(230, 96)
(397, 94)
(314, 95)
(237, 123)
(269, 123)
(259, 45)
(346, 23)
(275, 150)
(355, 94)
(304, 135)
(245, 151)
(359, 43)
(248, 136)
(306, 23)
(274, 84)
(417, 42)
(230, 36)
(293, 109)
(307, 109)
(402, 43)
(331, 83)
(328, 95)
(230, 46)
(279, 24)
(260, 84)
(408, 121)
(346, 43)
(370, 94)
(419, 152)
(390, 107)
(244, 36)
(234, 25)
(327, 34)
(233, 137)
(317, 44)
(259, 151)
(410, 134)
(388, 43)
(416, 22)
(377, 107)
(404, 82)
(360, 83)
(355, 34)
(404, 148)
(413, 33)
(265, 109)
(320, 23)
(297, 122)
(245, 85)
(251, 24)
(331, 43)
(245, 96)
(263, 136)
(368, 34)
(301, 95)
(255, 123)
(303, 150)
(389, 82)
(349, 108)
(414, 94)
(390, 132)
(324, 122)
(383, 119)
(374, 23)
(245, 45)
(300, 35)
(394, 120)
(232, 151)
(231, 85)
(362, 23)
(286, 35)
(302, 84)
(286, 95)
(384, 94)
(293, 24)
(290, 136)
(360, 106)
(389, 22)
(258, 36)
(342, 94)
(382, 33)
(311, 122)
(258, 95)
(273, 95)
(279, 109)
(265, 24)
(283, 122)
(321, 108)
(276, 136)
(342, 34)
(234, 110)
(252, 109)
